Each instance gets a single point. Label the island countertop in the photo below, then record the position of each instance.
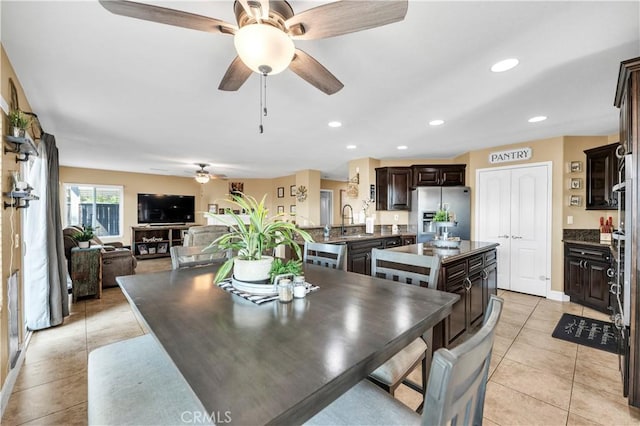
(466, 249)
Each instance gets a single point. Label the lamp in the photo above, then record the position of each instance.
(202, 177)
(263, 48)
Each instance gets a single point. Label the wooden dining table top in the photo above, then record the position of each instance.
(280, 363)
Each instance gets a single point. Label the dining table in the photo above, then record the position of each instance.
(280, 363)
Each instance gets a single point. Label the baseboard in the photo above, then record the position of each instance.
(557, 295)
(7, 387)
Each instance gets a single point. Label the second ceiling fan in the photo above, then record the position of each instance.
(265, 31)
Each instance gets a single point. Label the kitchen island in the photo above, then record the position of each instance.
(469, 271)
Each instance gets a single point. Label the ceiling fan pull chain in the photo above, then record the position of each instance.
(265, 95)
(261, 128)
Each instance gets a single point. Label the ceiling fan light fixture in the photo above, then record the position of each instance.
(263, 48)
(202, 177)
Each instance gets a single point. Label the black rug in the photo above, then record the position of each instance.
(588, 332)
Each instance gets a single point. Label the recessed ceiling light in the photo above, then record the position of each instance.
(351, 147)
(504, 65)
(335, 124)
(436, 122)
(402, 147)
(537, 119)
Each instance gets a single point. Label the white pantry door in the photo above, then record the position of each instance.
(513, 210)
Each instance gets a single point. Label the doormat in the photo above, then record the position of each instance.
(588, 332)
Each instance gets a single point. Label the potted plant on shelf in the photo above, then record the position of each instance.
(18, 121)
(254, 242)
(84, 237)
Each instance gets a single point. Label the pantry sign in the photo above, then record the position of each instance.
(510, 155)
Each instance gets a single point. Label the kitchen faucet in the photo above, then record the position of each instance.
(342, 230)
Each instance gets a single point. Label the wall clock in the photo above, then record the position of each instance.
(301, 193)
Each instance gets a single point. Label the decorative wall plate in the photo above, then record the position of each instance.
(301, 193)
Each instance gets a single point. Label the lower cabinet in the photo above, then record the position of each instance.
(474, 279)
(359, 252)
(586, 280)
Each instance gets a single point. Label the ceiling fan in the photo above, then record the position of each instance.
(266, 29)
(203, 176)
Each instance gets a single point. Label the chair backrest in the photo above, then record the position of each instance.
(405, 267)
(187, 257)
(327, 255)
(203, 235)
(458, 377)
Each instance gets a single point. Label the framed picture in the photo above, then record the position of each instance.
(575, 201)
(292, 190)
(280, 209)
(575, 166)
(220, 211)
(152, 250)
(142, 249)
(292, 208)
(576, 183)
(281, 192)
(213, 208)
(162, 247)
(236, 188)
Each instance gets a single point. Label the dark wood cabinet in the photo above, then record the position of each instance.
(474, 279)
(359, 252)
(585, 275)
(393, 188)
(438, 175)
(155, 241)
(408, 239)
(86, 272)
(602, 174)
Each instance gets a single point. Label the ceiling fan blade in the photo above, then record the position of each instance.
(314, 73)
(163, 15)
(236, 75)
(343, 17)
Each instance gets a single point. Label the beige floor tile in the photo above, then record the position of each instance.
(487, 422)
(596, 356)
(545, 340)
(37, 373)
(576, 420)
(43, 400)
(521, 298)
(560, 307)
(542, 359)
(501, 345)
(73, 326)
(111, 335)
(514, 318)
(515, 307)
(540, 324)
(607, 379)
(505, 329)
(590, 313)
(73, 416)
(493, 365)
(109, 319)
(505, 406)
(408, 397)
(54, 349)
(602, 407)
(535, 382)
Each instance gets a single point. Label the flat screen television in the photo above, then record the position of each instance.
(163, 208)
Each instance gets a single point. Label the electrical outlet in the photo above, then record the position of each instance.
(569, 220)
(16, 240)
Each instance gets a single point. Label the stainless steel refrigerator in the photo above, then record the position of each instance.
(426, 201)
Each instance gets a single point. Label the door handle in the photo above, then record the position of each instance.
(515, 237)
(468, 284)
(485, 274)
(503, 236)
(611, 272)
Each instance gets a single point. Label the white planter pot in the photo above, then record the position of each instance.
(84, 244)
(252, 270)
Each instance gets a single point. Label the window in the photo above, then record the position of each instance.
(97, 205)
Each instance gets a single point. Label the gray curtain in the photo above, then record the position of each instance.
(45, 272)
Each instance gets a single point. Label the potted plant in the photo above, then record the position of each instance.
(18, 121)
(254, 242)
(84, 237)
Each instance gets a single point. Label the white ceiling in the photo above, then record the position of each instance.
(124, 94)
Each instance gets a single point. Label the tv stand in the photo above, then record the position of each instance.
(148, 242)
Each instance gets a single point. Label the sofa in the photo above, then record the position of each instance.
(203, 235)
(117, 260)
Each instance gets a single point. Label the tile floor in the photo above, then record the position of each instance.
(535, 379)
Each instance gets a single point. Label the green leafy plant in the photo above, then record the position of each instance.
(441, 216)
(19, 119)
(278, 267)
(261, 235)
(86, 234)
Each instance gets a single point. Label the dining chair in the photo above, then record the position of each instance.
(455, 391)
(188, 257)
(323, 254)
(410, 269)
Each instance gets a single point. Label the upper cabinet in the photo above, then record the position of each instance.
(602, 168)
(393, 188)
(438, 175)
